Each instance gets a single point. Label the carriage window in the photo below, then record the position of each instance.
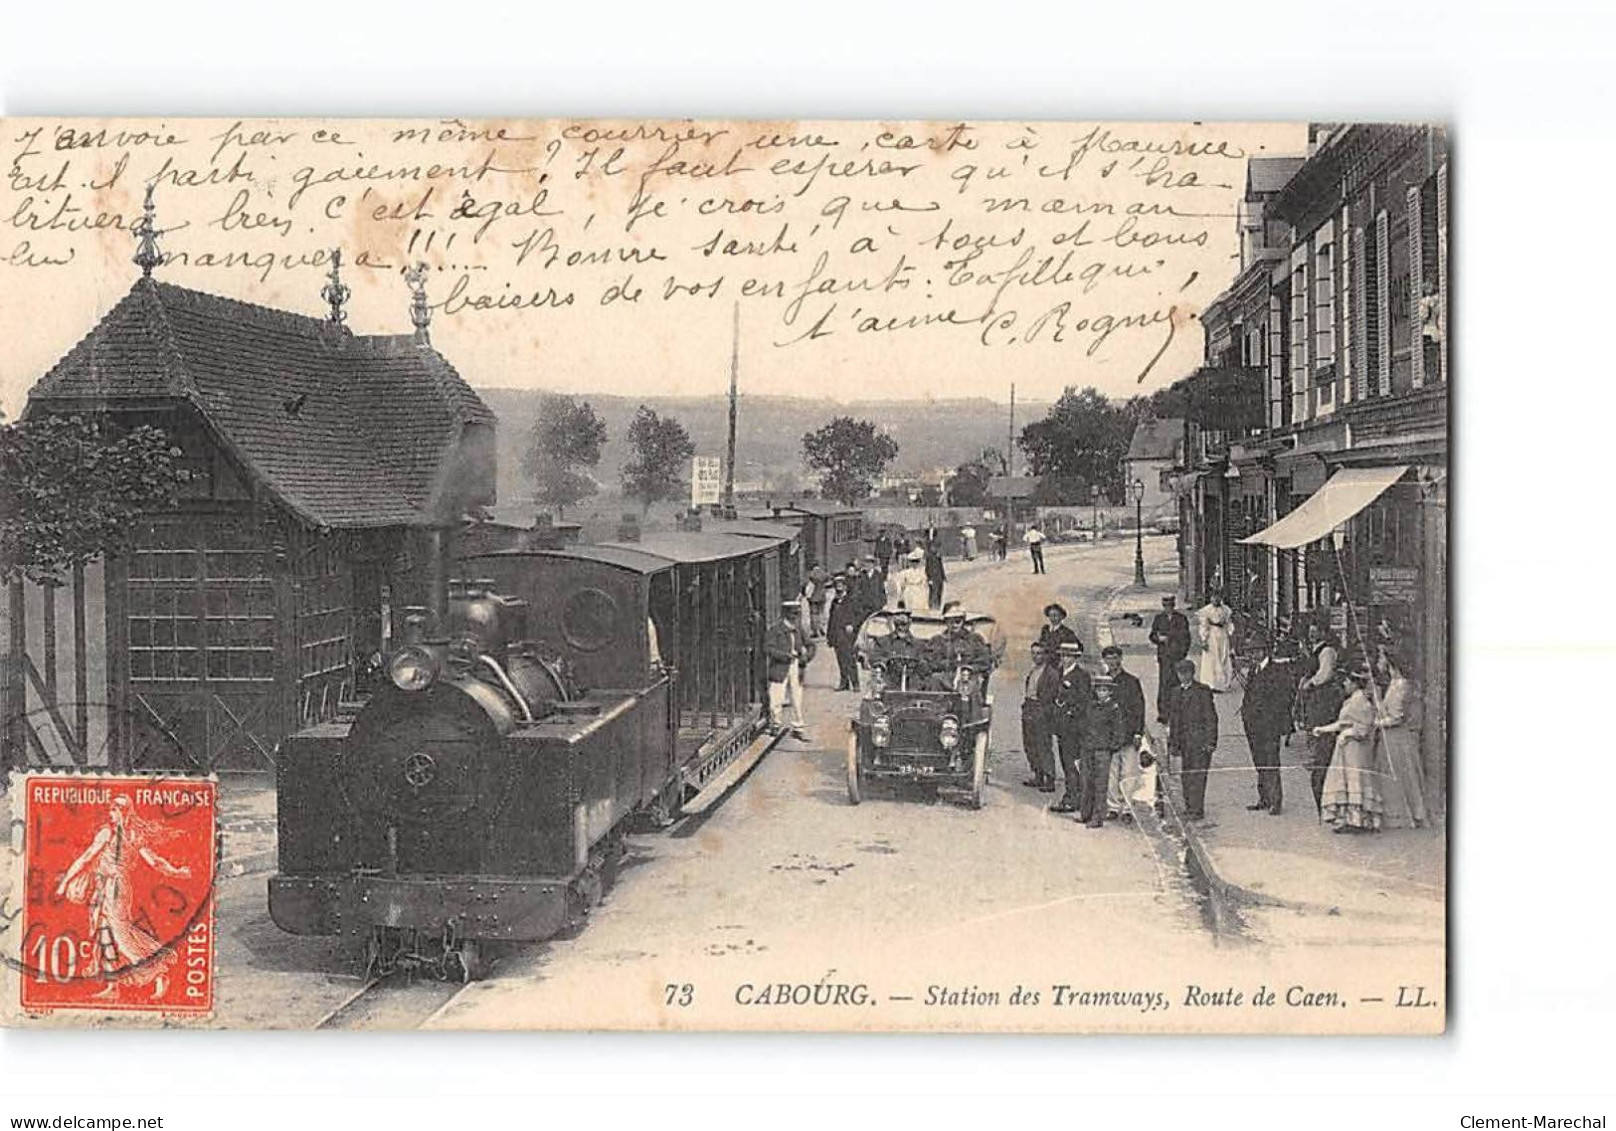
(589, 621)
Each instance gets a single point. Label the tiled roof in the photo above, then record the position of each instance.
(346, 430)
(1157, 437)
(1269, 174)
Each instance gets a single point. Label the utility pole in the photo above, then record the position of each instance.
(1009, 474)
(734, 381)
(1010, 437)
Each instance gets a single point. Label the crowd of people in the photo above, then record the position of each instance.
(1360, 722)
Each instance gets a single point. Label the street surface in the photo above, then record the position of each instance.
(905, 911)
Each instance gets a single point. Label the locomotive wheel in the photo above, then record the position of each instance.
(979, 769)
(473, 963)
(855, 775)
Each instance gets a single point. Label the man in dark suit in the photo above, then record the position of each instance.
(1192, 735)
(1266, 714)
(841, 629)
(1170, 633)
(869, 589)
(1069, 717)
(1037, 712)
(1130, 697)
(1056, 631)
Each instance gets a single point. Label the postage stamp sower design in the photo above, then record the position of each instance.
(118, 894)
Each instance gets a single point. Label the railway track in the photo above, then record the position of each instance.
(391, 1003)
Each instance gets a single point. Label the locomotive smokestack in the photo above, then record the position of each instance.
(436, 546)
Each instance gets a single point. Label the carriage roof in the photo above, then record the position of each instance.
(654, 552)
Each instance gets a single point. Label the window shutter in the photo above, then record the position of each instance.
(1276, 359)
(1442, 265)
(1383, 320)
(1416, 285)
(1360, 313)
(1345, 348)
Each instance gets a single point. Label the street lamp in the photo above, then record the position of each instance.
(1137, 490)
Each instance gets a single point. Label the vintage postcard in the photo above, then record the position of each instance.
(725, 575)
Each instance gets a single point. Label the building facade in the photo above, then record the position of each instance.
(326, 471)
(1335, 509)
(1154, 452)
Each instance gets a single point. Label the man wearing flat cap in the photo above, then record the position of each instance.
(1123, 772)
(1170, 633)
(787, 652)
(1102, 737)
(1068, 719)
(1056, 631)
(899, 653)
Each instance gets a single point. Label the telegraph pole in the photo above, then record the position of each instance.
(1009, 474)
(734, 382)
(1010, 436)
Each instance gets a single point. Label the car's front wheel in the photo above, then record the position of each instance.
(855, 774)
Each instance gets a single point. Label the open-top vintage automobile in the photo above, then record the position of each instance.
(919, 721)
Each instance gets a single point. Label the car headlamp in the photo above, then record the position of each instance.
(881, 730)
(948, 732)
(412, 668)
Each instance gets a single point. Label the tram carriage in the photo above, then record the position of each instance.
(568, 692)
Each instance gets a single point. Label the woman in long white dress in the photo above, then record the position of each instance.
(1352, 799)
(910, 587)
(1217, 623)
(1398, 756)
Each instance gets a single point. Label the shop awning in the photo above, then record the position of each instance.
(1346, 493)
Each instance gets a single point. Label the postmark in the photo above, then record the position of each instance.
(116, 892)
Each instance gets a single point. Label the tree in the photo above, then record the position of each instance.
(72, 488)
(968, 486)
(1085, 437)
(565, 438)
(850, 455)
(661, 460)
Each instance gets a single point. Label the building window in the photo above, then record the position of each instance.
(1299, 381)
(1323, 306)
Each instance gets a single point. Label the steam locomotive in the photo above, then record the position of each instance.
(525, 723)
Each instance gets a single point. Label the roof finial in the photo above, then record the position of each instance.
(145, 231)
(334, 291)
(420, 312)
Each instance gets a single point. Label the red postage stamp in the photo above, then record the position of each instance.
(118, 893)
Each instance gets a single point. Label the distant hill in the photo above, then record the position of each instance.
(768, 449)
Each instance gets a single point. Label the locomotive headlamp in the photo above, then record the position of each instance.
(948, 732)
(412, 668)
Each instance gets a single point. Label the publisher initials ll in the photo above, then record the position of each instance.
(1413, 997)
